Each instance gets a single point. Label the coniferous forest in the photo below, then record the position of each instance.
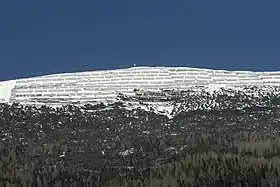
(236, 142)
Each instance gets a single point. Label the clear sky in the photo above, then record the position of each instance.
(41, 37)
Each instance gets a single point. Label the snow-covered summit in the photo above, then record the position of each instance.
(107, 85)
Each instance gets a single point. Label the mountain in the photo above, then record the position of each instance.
(150, 88)
(186, 132)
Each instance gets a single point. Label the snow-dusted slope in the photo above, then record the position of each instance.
(107, 85)
(5, 90)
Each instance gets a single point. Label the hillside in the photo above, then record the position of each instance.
(92, 87)
(227, 137)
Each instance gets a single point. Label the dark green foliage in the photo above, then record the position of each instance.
(94, 146)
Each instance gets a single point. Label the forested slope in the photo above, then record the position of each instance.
(223, 139)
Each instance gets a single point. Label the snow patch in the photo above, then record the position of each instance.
(6, 89)
(127, 152)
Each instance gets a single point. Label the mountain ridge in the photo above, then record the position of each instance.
(109, 86)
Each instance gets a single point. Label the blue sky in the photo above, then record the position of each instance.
(42, 37)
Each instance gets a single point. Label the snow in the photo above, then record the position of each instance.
(84, 84)
(63, 154)
(214, 87)
(6, 89)
(127, 152)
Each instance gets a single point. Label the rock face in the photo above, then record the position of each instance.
(112, 85)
